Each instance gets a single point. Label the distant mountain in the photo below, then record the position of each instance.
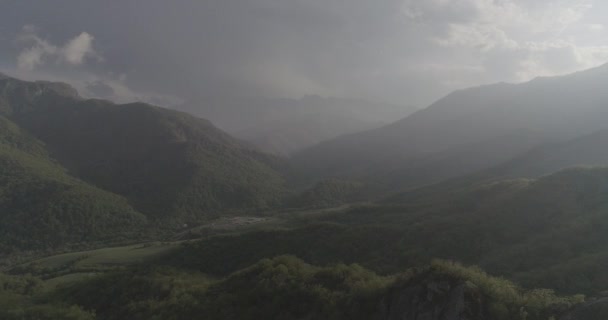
(584, 151)
(587, 150)
(285, 126)
(466, 131)
(288, 135)
(116, 165)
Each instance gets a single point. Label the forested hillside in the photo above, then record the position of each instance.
(43, 207)
(80, 171)
(286, 288)
(549, 232)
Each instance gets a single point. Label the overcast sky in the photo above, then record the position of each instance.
(403, 51)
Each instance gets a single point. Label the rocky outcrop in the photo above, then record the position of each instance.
(594, 309)
(434, 300)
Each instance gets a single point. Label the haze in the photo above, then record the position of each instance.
(406, 52)
(303, 159)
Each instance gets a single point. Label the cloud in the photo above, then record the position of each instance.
(40, 59)
(596, 27)
(77, 49)
(402, 51)
(513, 40)
(113, 87)
(37, 51)
(30, 58)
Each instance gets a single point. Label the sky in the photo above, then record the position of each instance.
(408, 52)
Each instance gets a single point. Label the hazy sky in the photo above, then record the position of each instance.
(402, 51)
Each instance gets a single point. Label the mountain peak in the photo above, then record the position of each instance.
(60, 88)
(28, 90)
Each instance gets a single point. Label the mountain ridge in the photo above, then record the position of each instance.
(544, 107)
(284, 126)
(167, 165)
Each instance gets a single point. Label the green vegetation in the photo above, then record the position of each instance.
(90, 173)
(547, 233)
(287, 288)
(38, 197)
(328, 193)
(79, 174)
(17, 302)
(168, 164)
(507, 301)
(70, 267)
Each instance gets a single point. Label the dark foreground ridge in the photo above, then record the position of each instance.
(287, 288)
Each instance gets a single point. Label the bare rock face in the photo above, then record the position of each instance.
(435, 300)
(596, 309)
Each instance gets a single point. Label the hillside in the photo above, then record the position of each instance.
(586, 150)
(488, 124)
(43, 207)
(549, 232)
(287, 288)
(329, 193)
(166, 163)
(285, 126)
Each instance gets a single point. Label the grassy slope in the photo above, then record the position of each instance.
(71, 267)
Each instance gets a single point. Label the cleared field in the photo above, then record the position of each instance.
(106, 256)
(74, 266)
(52, 283)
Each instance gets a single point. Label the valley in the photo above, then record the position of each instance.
(133, 211)
(304, 160)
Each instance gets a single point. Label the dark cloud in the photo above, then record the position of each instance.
(403, 51)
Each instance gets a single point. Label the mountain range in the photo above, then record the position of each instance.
(466, 131)
(511, 178)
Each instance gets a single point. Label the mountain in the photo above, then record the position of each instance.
(293, 133)
(72, 165)
(466, 131)
(586, 150)
(44, 207)
(285, 126)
